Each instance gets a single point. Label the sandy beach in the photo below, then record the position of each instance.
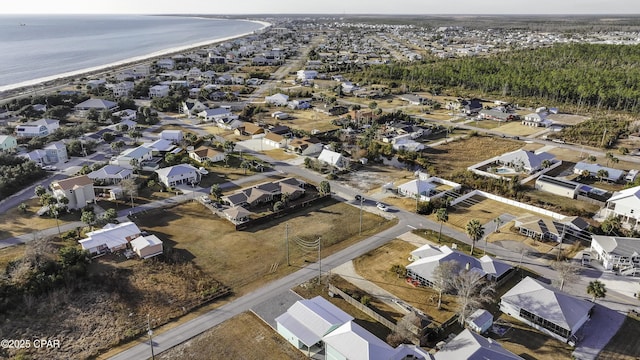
(13, 90)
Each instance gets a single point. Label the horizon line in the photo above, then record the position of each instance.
(333, 14)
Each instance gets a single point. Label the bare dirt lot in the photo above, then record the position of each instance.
(460, 154)
(223, 340)
(245, 259)
(370, 178)
(15, 222)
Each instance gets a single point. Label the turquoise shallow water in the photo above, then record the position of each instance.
(39, 46)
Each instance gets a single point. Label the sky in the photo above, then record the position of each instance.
(413, 7)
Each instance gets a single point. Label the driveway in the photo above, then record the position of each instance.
(604, 324)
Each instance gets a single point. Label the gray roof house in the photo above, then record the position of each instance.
(178, 174)
(621, 253)
(111, 174)
(613, 175)
(427, 258)
(523, 160)
(547, 309)
(470, 346)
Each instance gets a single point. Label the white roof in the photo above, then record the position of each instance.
(549, 303)
(330, 157)
(355, 343)
(470, 346)
(142, 242)
(136, 153)
(176, 170)
(160, 145)
(309, 320)
(418, 186)
(112, 235)
(110, 172)
(632, 194)
(528, 159)
(425, 250)
(479, 317)
(613, 174)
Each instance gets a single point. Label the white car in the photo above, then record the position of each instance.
(382, 206)
(50, 168)
(205, 199)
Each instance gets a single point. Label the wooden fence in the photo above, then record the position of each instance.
(365, 309)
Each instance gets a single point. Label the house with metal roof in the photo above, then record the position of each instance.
(525, 161)
(619, 253)
(625, 204)
(178, 174)
(423, 268)
(352, 341)
(333, 158)
(547, 309)
(147, 246)
(140, 154)
(470, 346)
(111, 238)
(307, 321)
(110, 174)
(84, 107)
(613, 175)
(557, 186)
(41, 127)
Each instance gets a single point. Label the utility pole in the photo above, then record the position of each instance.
(286, 241)
(361, 200)
(319, 259)
(150, 332)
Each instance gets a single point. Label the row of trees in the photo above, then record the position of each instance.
(591, 75)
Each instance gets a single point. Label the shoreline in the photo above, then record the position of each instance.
(18, 89)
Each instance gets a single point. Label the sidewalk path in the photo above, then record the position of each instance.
(348, 272)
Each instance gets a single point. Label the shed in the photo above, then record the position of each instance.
(480, 321)
(147, 246)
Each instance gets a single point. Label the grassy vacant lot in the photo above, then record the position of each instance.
(560, 203)
(517, 129)
(14, 222)
(480, 208)
(244, 259)
(624, 346)
(223, 340)
(371, 177)
(279, 154)
(375, 266)
(306, 120)
(460, 154)
(312, 289)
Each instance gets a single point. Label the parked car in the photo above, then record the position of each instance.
(359, 198)
(205, 199)
(382, 206)
(50, 168)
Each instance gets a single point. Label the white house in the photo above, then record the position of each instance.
(333, 158)
(613, 175)
(38, 156)
(56, 152)
(191, 108)
(79, 190)
(166, 63)
(547, 309)
(42, 127)
(110, 174)
(620, 253)
(160, 146)
(525, 161)
(274, 140)
(111, 238)
(122, 89)
(427, 258)
(147, 246)
(8, 143)
(178, 174)
(174, 136)
(304, 75)
(626, 204)
(140, 154)
(218, 115)
(352, 341)
(126, 115)
(204, 153)
(307, 321)
(158, 91)
(557, 186)
(470, 346)
(277, 99)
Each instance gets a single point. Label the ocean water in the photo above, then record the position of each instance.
(36, 48)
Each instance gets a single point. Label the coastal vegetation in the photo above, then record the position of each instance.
(590, 76)
(13, 172)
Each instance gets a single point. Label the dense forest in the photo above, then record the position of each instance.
(594, 76)
(15, 172)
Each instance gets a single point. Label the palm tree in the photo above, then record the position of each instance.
(591, 158)
(597, 289)
(585, 174)
(245, 165)
(609, 156)
(546, 163)
(498, 222)
(475, 231)
(216, 191)
(442, 216)
(228, 146)
(602, 173)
